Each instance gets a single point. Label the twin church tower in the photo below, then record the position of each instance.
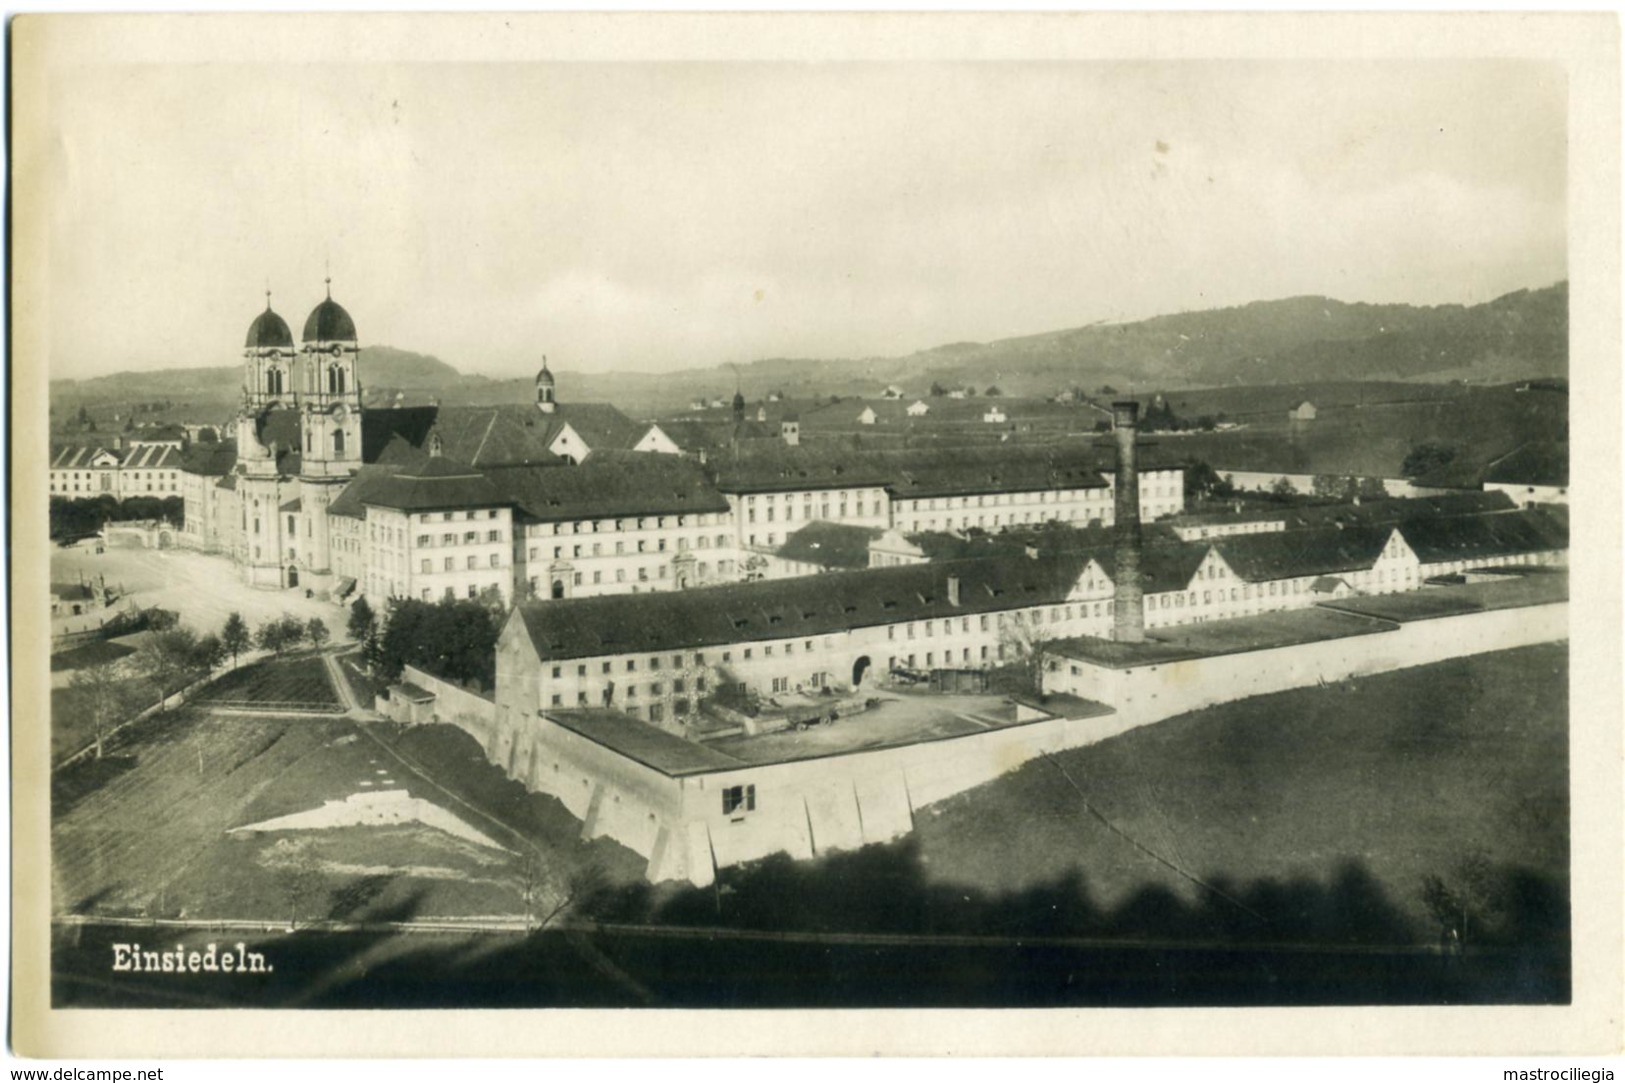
(298, 439)
(317, 378)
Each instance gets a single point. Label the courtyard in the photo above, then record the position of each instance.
(900, 718)
(203, 587)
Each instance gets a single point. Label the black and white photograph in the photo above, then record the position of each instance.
(653, 512)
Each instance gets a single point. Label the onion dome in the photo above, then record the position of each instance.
(328, 322)
(544, 377)
(268, 331)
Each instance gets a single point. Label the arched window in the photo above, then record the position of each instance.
(338, 441)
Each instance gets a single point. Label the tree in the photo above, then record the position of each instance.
(1024, 640)
(235, 637)
(169, 658)
(278, 635)
(1425, 458)
(937, 390)
(1205, 483)
(1283, 487)
(316, 632)
(1372, 489)
(1107, 389)
(207, 435)
(299, 874)
(162, 620)
(363, 622)
(992, 392)
(103, 695)
(453, 638)
(1333, 487)
(1463, 900)
(208, 653)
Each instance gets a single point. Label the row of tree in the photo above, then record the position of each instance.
(939, 391)
(81, 517)
(454, 639)
(173, 657)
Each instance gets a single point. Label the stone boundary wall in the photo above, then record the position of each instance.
(466, 710)
(1150, 693)
(812, 806)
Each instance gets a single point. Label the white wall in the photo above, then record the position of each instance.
(1149, 693)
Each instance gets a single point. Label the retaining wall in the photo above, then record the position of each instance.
(1149, 693)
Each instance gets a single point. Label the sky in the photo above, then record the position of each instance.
(659, 216)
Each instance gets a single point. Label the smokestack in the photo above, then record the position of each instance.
(1128, 608)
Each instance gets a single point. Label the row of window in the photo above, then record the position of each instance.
(807, 511)
(606, 695)
(494, 560)
(607, 526)
(456, 516)
(469, 537)
(140, 475)
(597, 548)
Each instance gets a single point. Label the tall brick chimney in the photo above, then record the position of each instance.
(1128, 602)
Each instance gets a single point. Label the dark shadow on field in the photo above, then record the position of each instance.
(354, 901)
(1265, 941)
(782, 934)
(73, 784)
(370, 967)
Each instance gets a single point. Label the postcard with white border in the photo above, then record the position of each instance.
(845, 534)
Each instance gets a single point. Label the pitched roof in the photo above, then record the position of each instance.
(712, 434)
(830, 545)
(436, 484)
(210, 460)
(790, 608)
(609, 484)
(78, 456)
(507, 434)
(1165, 564)
(961, 471)
(352, 502)
(1390, 510)
(1477, 537)
(1295, 553)
(780, 467)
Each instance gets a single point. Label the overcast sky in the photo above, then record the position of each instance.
(660, 216)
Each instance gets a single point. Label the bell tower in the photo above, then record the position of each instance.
(329, 393)
(268, 362)
(546, 398)
(329, 424)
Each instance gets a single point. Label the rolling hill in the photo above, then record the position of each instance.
(1297, 340)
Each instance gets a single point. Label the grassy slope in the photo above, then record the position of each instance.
(1402, 774)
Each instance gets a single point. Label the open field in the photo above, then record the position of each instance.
(145, 831)
(1373, 440)
(71, 725)
(92, 653)
(203, 588)
(298, 684)
(1377, 782)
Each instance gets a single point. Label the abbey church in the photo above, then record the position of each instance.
(289, 499)
(545, 498)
